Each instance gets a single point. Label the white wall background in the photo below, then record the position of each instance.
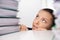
(29, 8)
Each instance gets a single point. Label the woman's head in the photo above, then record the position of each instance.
(44, 19)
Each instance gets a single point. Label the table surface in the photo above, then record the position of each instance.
(29, 35)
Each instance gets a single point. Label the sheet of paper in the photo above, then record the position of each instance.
(29, 35)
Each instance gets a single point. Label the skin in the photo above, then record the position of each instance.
(42, 21)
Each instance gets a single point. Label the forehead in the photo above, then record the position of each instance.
(45, 14)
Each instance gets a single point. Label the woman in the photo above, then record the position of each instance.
(44, 20)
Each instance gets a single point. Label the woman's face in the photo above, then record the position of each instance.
(42, 21)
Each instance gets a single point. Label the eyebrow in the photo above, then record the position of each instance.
(46, 18)
(37, 14)
(42, 17)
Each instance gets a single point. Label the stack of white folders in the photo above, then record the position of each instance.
(9, 21)
(8, 29)
(13, 4)
(7, 13)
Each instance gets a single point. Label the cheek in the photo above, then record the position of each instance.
(44, 25)
(35, 21)
(41, 25)
(47, 25)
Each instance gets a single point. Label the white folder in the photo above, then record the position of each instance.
(9, 4)
(29, 35)
(7, 13)
(8, 21)
(8, 29)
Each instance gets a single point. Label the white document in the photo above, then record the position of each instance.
(8, 21)
(29, 35)
(9, 4)
(57, 34)
(8, 29)
(7, 13)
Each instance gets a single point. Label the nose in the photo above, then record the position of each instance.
(37, 22)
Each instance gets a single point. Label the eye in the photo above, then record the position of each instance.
(44, 21)
(37, 16)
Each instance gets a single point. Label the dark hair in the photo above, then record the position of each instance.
(51, 12)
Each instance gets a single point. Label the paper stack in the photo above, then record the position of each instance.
(7, 13)
(8, 19)
(11, 4)
(8, 29)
